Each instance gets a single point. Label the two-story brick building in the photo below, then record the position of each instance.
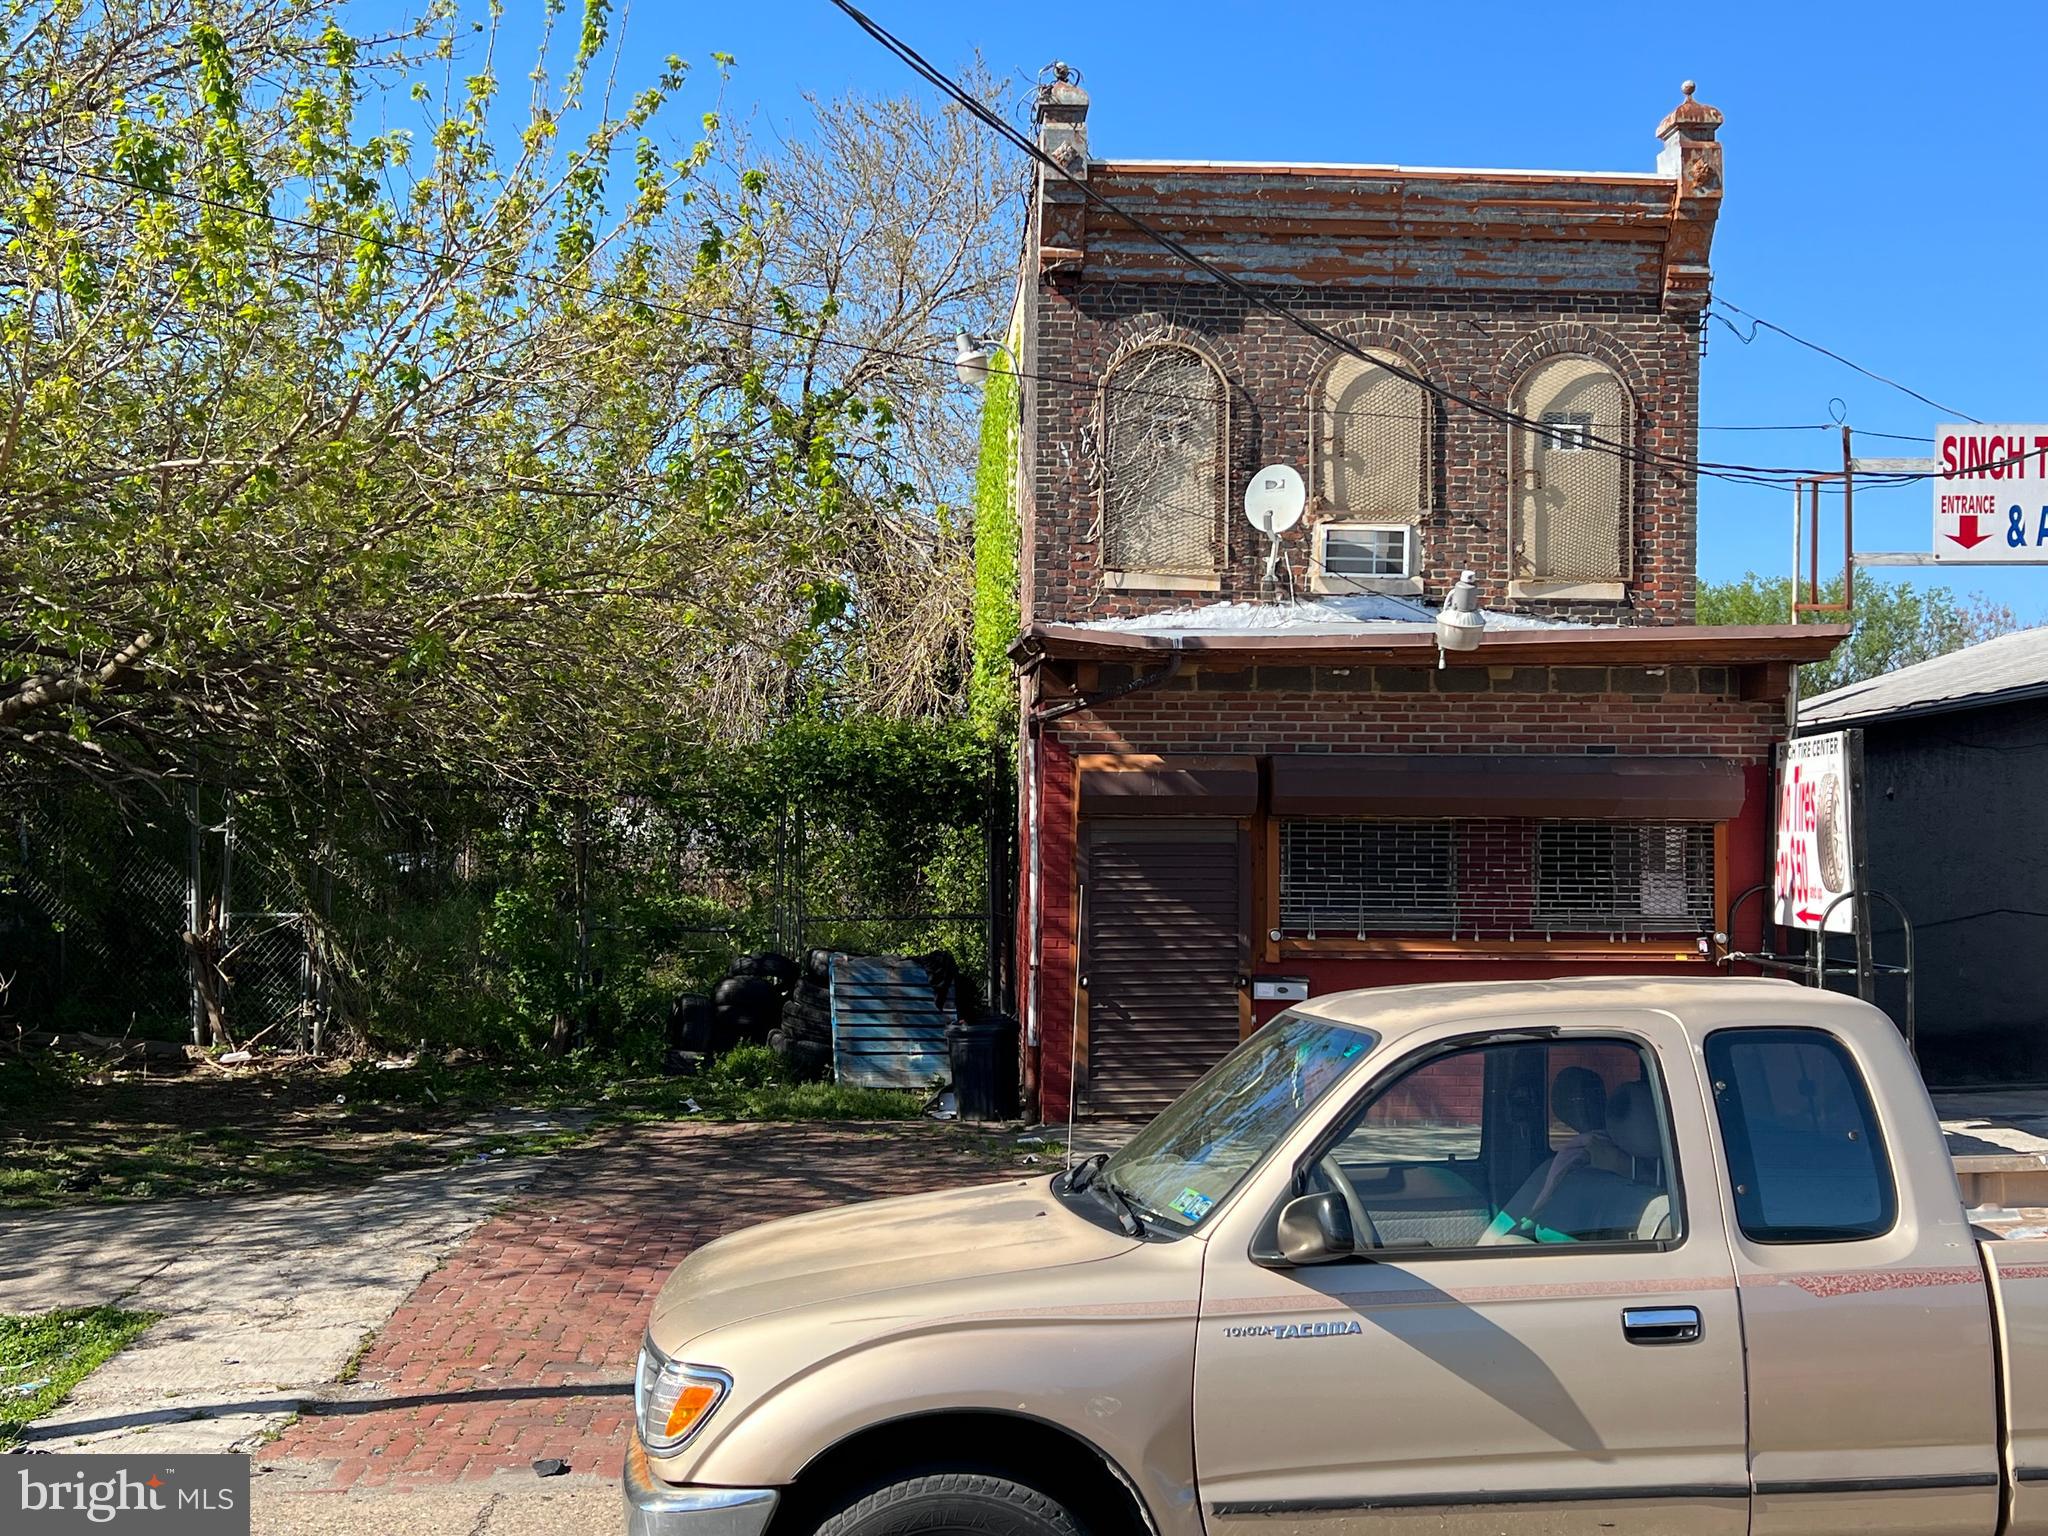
(1239, 766)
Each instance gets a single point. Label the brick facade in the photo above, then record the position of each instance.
(1476, 344)
(1471, 279)
(1288, 708)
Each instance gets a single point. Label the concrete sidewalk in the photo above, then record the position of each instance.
(263, 1300)
(506, 1302)
(291, 1500)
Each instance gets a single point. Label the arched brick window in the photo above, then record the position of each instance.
(1164, 424)
(1373, 441)
(1572, 488)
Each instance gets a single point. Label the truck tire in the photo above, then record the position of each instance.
(941, 1502)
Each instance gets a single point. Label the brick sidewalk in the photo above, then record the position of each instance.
(521, 1345)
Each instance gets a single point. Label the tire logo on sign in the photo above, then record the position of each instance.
(1827, 836)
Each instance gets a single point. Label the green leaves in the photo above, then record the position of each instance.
(1895, 623)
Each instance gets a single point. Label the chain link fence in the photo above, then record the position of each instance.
(468, 918)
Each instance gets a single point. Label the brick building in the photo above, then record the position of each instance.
(1241, 762)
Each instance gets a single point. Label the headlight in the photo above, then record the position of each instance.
(672, 1400)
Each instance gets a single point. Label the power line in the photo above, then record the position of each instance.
(933, 359)
(1757, 474)
(1757, 322)
(1776, 477)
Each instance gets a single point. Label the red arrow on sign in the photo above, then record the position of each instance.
(1966, 533)
(1807, 917)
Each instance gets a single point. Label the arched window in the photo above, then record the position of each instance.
(1572, 500)
(1372, 474)
(1163, 433)
(1373, 441)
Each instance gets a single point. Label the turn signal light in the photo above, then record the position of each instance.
(694, 1403)
(671, 1399)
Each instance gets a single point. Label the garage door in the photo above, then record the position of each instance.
(1167, 908)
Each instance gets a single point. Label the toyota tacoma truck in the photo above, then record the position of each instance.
(1673, 1256)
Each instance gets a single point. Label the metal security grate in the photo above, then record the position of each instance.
(1496, 878)
(1163, 420)
(1572, 477)
(1373, 457)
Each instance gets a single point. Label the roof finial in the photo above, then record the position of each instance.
(1689, 87)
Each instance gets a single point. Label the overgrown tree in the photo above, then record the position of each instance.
(324, 449)
(886, 227)
(1895, 623)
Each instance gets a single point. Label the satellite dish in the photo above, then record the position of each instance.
(1274, 499)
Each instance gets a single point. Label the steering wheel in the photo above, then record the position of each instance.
(1328, 1176)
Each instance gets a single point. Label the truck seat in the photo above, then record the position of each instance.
(1605, 1183)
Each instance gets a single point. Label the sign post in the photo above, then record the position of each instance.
(1991, 495)
(1817, 856)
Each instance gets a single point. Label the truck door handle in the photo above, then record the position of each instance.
(1660, 1325)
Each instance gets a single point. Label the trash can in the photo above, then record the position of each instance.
(984, 1055)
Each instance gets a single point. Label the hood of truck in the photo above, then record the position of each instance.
(880, 1245)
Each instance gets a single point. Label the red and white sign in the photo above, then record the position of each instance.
(1813, 863)
(1991, 494)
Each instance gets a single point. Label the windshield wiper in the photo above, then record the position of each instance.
(1083, 1173)
(1129, 1214)
(1086, 1177)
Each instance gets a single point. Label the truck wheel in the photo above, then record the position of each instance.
(943, 1502)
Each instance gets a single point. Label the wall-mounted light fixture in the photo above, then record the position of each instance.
(971, 359)
(1459, 623)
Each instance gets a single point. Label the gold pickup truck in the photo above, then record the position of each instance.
(1617, 1256)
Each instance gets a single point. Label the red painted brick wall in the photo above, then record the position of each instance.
(1060, 831)
(1678, 710)
(1596, 711)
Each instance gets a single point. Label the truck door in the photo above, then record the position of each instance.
(1871, 1383)
(1544, 1332)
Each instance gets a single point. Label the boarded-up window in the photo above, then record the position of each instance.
(1571, 474)
(1373, 441)
(1163, 417)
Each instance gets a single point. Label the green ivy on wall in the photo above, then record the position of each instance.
(991, 689)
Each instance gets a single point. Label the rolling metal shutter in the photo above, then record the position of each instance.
(1166, 915)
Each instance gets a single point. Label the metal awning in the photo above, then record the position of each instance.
(1436, 785)
(1141, 784)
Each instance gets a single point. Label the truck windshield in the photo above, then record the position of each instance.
(1206, 1141)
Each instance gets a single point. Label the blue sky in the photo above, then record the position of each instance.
(1887, 181)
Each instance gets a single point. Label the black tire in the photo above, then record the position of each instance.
(754, 997)
(940, 1503)
(690, 1023)
(775, 968)
(818, 965)
(810, 1060)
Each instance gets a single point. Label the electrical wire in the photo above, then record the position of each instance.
(485, 267)
(1775, 476)
(1757, 322)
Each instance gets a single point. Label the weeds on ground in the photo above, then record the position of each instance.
(43, 1357)
(353, 1365)
(71, 1134)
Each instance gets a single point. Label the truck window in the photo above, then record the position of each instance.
(1805, 1156)
(1515, 1143)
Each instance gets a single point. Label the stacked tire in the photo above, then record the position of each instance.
(743, 1009)
(690, 1026)
(748, 1003)
(803, 1039)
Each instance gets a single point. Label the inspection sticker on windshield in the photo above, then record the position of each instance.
(1193, 1204)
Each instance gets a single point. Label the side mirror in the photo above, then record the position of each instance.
(1314, 1229)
